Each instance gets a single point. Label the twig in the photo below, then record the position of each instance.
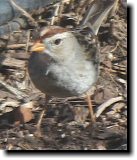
(28, 39)
(117, 44)
(17, 46)
(25, 13)
(13, 63)
(56, 12)
(114, 9)
(103, 106)
(119, 67)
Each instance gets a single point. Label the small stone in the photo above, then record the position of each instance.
(110, 56)
(117, 115)
(60, 124)
(73, 132)
(103, 118)
(63, 135)
(31, 135)
(20, 134)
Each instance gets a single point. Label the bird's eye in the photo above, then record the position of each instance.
(57, 41)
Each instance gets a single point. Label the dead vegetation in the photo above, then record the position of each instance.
(66, 124)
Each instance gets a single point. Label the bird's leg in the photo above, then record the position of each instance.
(38, 125)
(92, 116)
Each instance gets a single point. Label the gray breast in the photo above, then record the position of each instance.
(43, 78)
(61, 80)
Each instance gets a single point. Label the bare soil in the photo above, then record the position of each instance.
(66, 124)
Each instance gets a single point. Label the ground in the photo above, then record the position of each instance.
(66, 124)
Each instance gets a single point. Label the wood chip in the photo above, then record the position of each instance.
(106, 104)
(13, 90)
(13, 63)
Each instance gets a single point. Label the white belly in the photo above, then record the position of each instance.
(75, 78)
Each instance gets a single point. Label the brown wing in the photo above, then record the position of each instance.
(96, 13)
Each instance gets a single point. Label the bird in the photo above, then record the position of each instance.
(65, 62)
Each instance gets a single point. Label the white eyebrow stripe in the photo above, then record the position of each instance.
(50, 41)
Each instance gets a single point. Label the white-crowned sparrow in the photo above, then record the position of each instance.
(64, 63)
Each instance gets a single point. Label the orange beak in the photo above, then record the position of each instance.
(38, 47)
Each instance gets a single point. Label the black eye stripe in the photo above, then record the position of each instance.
(57, 41)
